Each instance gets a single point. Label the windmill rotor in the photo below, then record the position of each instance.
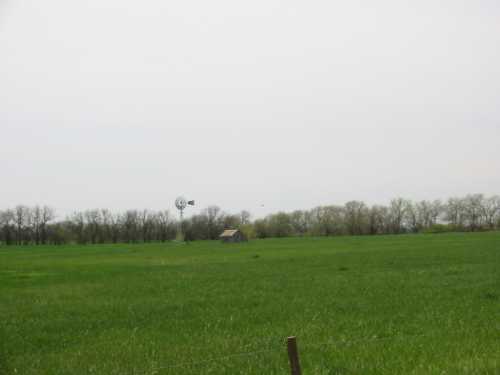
(181, 203)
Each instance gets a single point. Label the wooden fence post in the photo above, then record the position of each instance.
(293, 355)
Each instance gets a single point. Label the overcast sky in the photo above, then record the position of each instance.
(285, 104)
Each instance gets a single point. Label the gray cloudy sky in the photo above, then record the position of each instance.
(290, 104)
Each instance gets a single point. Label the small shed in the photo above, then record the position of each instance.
(232, 235)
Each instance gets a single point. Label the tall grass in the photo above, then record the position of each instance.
(359, 305)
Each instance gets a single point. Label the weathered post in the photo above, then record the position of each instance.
(293, 355)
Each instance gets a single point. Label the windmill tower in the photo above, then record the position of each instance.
(181, 204)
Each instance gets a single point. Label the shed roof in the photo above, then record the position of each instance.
(229, 233)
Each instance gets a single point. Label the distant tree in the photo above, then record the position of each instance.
(328, 221)
(21, 218)
(105, 226)
(166, 228)
(435, 211)
(490, 210)
(299, 222)
(248, 231)
(231, 221)
(115, 226)
(455, 212)
(93, 224)
(58, 233)
(131, 226)
(412, 217)
(47, 215)
(280, 225)
(261, 228)
(7, 226)
(214, 221)
(77, 225)
(397, 211)
(378, 220)
(146, 223)
(473, 211)
(36, 220)
(245, 217)
(356, 217)
(199, 227)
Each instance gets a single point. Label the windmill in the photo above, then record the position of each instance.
(181, 203)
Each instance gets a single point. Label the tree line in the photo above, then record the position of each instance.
(37, 225)
(471, 213)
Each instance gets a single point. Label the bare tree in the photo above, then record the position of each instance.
(397, 210)
(299, 221)
(356, 217)
(491, 211)
(165, 225)
(21, 218)
(435, 211)
(473, 210)
(214, 222)
(280, 225)
(36, 219)
(455, 212)
(378, 220)
(105, 232)
(47, 215)
(7, 226)
(93, 224)
(245, 217)
(144, 224)
(328, 220)
(130, 225)
(116, 224)
(77, 221)
(413, 217)
(261, 228)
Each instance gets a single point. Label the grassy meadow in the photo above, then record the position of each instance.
(412, 304)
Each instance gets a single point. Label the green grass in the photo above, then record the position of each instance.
(425, 304)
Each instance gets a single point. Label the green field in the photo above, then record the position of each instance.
(423, 304)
